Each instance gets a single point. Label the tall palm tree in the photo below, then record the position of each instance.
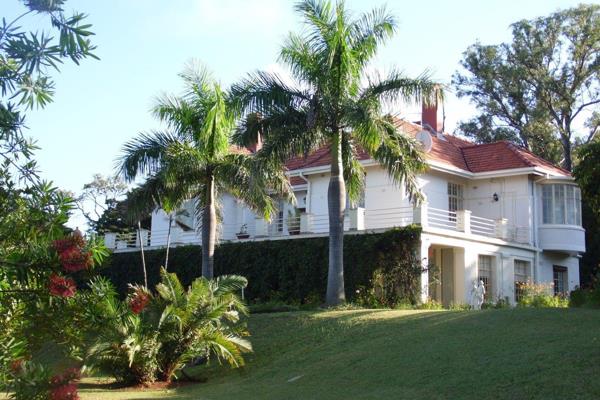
(194, 158)
(335, 102)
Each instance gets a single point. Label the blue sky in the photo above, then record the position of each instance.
(143, 44)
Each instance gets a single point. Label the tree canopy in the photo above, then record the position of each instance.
(537, 89)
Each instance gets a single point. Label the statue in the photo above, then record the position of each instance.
(477, 294)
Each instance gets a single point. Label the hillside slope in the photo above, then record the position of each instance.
(368, 354)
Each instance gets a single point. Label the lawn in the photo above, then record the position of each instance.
(369, 354)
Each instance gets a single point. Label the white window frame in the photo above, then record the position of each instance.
(455, 196)
(485, 272)
(564, 272)
(521, 277)
(561, 204)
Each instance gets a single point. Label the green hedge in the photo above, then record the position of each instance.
(294, 270)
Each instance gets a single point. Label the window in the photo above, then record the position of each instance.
(455, 197)
(561, 204)
(560, 280)
(484, 273)
(521, 277)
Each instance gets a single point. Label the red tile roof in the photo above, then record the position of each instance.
(452, 151)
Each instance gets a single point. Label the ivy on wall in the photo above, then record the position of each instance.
(291, 270)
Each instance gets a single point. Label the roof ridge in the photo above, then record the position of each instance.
(542, 159)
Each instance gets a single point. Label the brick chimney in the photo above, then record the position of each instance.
(429, 116)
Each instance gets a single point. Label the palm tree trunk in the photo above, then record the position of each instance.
(143, 256)
(209, 229)
(168, 241)
(336, 202)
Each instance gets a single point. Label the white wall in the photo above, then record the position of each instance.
(514, 199)
(549, 259)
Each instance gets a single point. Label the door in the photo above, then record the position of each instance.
(447, 277)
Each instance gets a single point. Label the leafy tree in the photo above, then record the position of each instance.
(26, 60)
(328, 105)
(194, 159)
(587, 174)
(537, 88)
(99, 201)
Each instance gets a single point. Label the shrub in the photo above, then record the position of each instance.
(540, 296)
(501, 302)
(153, 335)
(581, 297)
(459, 307)
(293, 271)
(430, 304)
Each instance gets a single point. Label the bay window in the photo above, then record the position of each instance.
(561, 204)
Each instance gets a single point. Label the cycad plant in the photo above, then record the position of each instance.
(153, 335)
(194, 158)
(334, 101)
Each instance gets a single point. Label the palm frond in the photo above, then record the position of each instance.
(144, 154)
(265, 92)
(370, 30)
(252, 179)
(396, 87)
(400, 155)
(354, 173)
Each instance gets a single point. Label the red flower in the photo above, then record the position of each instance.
(138, 301)
(64, 392)
(64, 386)
(75, 259)
(16, 366)
(72, 252)
(61, 286)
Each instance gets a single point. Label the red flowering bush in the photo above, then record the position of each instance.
(61, 286)
(72, 252)
(64, 386)
(139, 300)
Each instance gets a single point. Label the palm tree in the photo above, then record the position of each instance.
(174, 327)
(335, 102)
(194, 158)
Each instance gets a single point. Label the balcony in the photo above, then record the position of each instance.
(562, 238)
(461, 223)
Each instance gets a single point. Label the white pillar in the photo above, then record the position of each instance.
(305, 222)
(508, 277)
(142, 237)
(262, 227)
(501, 228)
(110, 240)
(424, 259)
(466, 273)
(420, 215)
(357, 219)
(463, 221)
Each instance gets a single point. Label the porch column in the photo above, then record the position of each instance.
(501, 226)
(424, 259)
(305, 219)
(357, 219)
(142, 237)
(262, 227)
(110, 240)
(420, 215)
(463, 221)
(466, 274)
(508, 277)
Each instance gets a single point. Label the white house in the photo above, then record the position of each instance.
(494, 212)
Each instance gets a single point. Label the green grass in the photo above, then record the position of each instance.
(492, 354)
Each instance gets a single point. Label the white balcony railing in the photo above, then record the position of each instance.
(357, 219)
